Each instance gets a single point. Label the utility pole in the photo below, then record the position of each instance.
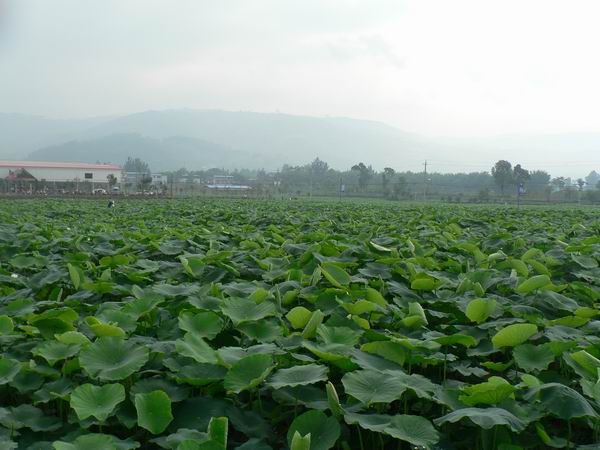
(425, 181)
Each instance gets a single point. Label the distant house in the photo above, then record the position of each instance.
(225, 183)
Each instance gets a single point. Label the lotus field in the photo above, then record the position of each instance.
(297, 325)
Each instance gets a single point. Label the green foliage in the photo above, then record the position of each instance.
(97, 401)
(324, 431)
(514, 335)
(153, 411)
(310, 325)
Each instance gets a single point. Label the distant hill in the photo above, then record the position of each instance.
(161, 154)
(198, 139)
(276, 139)
(21, 134)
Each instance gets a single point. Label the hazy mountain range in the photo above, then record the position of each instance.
(198, 139)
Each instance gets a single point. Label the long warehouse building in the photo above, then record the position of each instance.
(59, 172)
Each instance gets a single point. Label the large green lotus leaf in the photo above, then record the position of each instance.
(262, 330)
(9, 368)
(205, 324)
(533, 283)
(6, 325)
(143, 305)
(176, 392)
(585, 261)
(555, 442)
(371, 422)
(298, 317)
(423, 284)
(193, 346)
(97, 401)
(112, 358)
(27, 381)
(335, 274)
(485, 418)
(370, 386)
(360, 307)
(102, 329)
(588, 362)
(420, 385)
(338, 335)
(28, 416)
(310, 330)
(54, 351)
(54, 321)
(479, 310)
(195, 374)
(26, 262)
(248, 373)
(60, 388)
(298, 376)
(217, 431)
(454, 339)
(391, 351)
(586, 312)
(562, 401)
(414, 429)
(254, 444)
(514, 334)
(114, 261)
(241, 310)
(491, 392)
(153, 411)
(173, 440)
(533, 358)
(230, 355)
(375, 296)
(96, 441)
(73, 337)
(324, 431)
(175, 290)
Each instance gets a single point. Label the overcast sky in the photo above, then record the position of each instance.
(459, 67)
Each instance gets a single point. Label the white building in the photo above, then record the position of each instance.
(59, 172)
(159, 178)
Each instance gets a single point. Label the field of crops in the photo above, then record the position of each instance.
(304, 325)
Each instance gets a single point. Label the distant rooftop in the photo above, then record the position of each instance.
(56, 165)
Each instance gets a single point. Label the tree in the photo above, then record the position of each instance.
(399, 188)
(539, 180)
(364, 175)
(136, 165)
(569, 192)
(503, 175)
(145, 182)
(520, 175)
(580, 184)
(319, 168)
(559, 183)
(387, 174)
(592, 179)
(112, 180)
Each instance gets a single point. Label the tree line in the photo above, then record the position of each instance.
(317, 178)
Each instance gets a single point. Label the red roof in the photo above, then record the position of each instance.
(56, 165)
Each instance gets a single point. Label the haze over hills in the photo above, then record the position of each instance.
(207, 138)
(198, 139)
